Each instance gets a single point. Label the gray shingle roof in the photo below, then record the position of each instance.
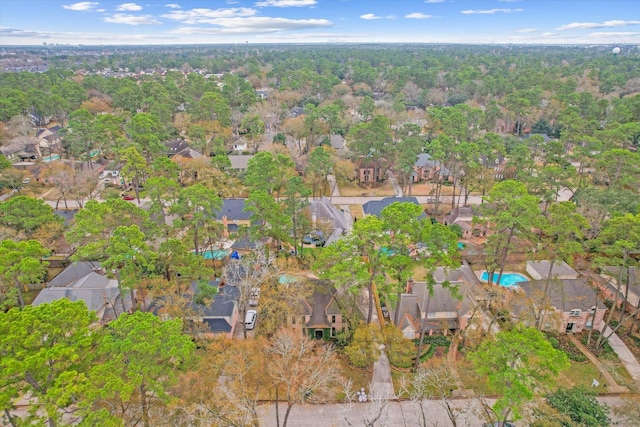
(218, 325)
(233, 209)
(560, 269)
(73, 272)
(375, 207)
(565, 295)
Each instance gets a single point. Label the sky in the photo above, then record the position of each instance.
(106, 22)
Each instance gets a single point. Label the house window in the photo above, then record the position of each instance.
(333, 332)
(293, 320)
(593, 310)
(333, 319)
(589, 324)
(575, 312)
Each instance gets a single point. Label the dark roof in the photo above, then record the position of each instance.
(66, 215)
(243, 244)
(375, 207)
(565, 295)
(175, 146)
(223, 302)
(322, 303)
(217, 325)
(233, 209)
(74, 272)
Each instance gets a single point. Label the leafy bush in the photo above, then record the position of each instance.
(563, 343)
(399, 349)
(435, 341)
(581, 406)
(363, 350)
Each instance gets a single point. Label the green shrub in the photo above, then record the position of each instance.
(581, 406)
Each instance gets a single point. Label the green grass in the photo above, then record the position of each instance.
(582, 374)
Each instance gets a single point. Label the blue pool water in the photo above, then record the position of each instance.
(507, 279)
(216, 254)
(48, 159)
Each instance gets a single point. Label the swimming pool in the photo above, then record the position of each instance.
(51, 158)
(507, 279)
(215, 254)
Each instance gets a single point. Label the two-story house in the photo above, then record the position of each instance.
(318, 316)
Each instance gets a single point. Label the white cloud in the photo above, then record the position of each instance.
(489, 11)
(592, 25)
(129, 7)
(549, 34)
(371, 17)
(285, 3)
(123, 18)
(528, 30)
(254, 25)
(209, 16)
(82, 6)
(417, 15)
(608, 34)
(101, 10)
(172, 6)
(434, 1)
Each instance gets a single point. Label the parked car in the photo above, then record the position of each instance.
(316, 238)
(250, 319)
(254, 297)
(128, 197)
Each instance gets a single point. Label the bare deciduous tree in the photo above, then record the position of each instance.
(302, 369)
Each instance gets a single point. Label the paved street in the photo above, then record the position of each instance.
(392, 413)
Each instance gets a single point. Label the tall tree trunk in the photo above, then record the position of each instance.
(547, 285)
(370, 313)
(277, 409)
(9, 417)
(626, 296)
(124, 309)
(145, 406)
(421, 335)
(286, 414)
(505, 252)
(615, 301)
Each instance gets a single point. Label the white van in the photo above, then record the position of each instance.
(250, 319)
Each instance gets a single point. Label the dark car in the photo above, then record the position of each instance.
(316, 238)
(128, 197)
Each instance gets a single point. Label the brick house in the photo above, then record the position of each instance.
(569, 306)
(318, 316)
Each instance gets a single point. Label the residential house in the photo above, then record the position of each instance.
(438, 311)
(318, 316)
(326, 216)
(262, 94)
(609, 286)
(497, 163)
(233, 215)
(178, 147)
(110, 175)
(20, 149)
(539, 270)
(86, 281)
(463, 216)
(427, 169)
(240, 146)
(375, 207)
(568, 306)
(239, 162)
(49, 140)
(371, 171)
(221, 315)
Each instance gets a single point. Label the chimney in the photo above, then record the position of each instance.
(410, 285)
(225, 227)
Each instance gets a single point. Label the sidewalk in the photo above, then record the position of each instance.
(381, 383)
(626, 357)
